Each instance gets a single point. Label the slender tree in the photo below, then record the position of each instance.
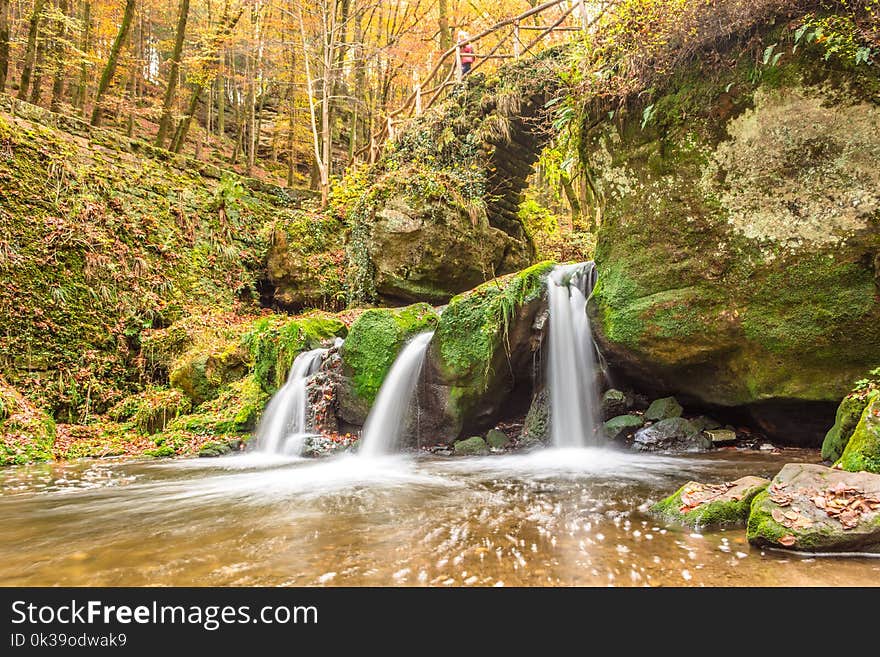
(4, 43)
(30, 51)
(112, 60)
(173, 74)
(79, 99)
(59, 56)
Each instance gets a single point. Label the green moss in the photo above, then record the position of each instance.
(622, 425)
(862, 452)
(847, 418)
(475, 324)
(474, 446)
(710, 514)
(234, 411)
(27, 433)
(374, 340)
(161, 452)
(149, 411)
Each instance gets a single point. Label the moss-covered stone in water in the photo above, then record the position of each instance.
(497, 439)
(161, 452)
(848, 415)
(623, 426)
(728, 508)
(474, 446)
(215, 448)
(863, 449)
(374, 340)
(663, 409)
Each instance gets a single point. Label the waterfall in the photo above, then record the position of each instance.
(387, 419)
(283, 425)
(572, 380)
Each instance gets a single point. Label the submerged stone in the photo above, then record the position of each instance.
(707, 505)
(663, 409)
(474, 446)
(623, 426)
(813, 508)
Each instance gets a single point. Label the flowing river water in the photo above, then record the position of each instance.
(552, 517)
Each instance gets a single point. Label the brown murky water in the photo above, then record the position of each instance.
(555, 517)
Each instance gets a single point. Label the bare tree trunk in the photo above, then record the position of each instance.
(226, 27)
(4, 43)
(59, 55)
(30, 51)
(443, 24)
(221, 100)
(113, 60)
(39, 66)
(173, 75)
(82, 88)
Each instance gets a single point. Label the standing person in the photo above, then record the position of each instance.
(466, 53)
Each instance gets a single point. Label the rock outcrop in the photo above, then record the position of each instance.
(739, 239)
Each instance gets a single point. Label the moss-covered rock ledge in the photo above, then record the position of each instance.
(739, 242)
(711, 505)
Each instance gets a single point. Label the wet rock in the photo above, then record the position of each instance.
(318, 445)
(703, 422)
(721, 436)
(220, 447)
(663, 409)
(707, 505)
(813, 508)
(615, 403)
(674, 434)
(536, 428)
(623, 426)
(497, 439)
(474, 446)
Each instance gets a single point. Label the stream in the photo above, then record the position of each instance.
(550, 517)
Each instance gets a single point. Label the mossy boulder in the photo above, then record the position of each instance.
(374, 341)
(738, 244)
(711, 505)
(27, 433)
(425, 244)
(663, 409)
(811, 508)
(623, 426)
(671, 435)
(862, 451)
(473, 446)
(219, 448)
(848, 415)
(497, 439)
(615, 403)
(235, 410)
(481, 358)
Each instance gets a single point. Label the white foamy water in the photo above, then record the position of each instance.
(387, 419)
(572, 373)
(283, 428)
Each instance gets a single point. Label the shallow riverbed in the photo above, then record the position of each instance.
(552, 517)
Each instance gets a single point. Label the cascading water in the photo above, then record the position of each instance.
(387, 418)
(572, 380)
(282, 428)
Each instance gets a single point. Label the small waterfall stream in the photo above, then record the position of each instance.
(572, 367)
(283, 425)
(387, 419)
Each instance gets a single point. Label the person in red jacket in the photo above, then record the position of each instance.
(466, 53)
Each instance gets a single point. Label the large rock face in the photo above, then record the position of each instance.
(425, 245)
(740, 239)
